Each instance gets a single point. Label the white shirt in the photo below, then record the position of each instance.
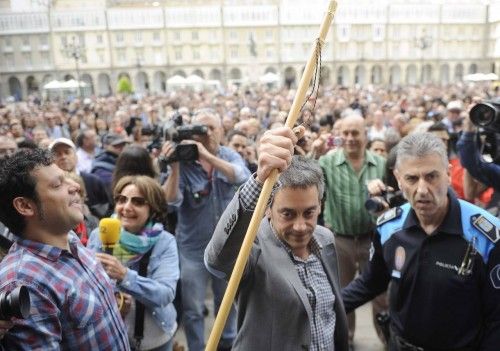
(85, 159)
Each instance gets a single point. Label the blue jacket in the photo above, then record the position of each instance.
(157, 290)
(472, 161)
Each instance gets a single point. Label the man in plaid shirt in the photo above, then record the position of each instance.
(72, 302)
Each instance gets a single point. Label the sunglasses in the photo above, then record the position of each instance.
(136, 201)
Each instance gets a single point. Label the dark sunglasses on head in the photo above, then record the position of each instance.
(135, 200)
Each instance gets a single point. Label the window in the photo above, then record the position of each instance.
(27, 59)
(139, 57)
(44, 40)
(44, 58)
(196, 53)
(64, 41)
(122, 58)
(9, 60)
(156, 36)
(194, 35)
(234, 51)
(8, 41)
(378, 32)
(119, 37)
(100, 58)
(269, 53)
(177, 35)
(26, 41)
(99, 39)
(343, 32)
(138, 37)
(214, 53)
(269, 34)
(233, 35)
(178, 54)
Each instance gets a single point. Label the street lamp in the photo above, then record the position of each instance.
(74, 50)
(423, 43)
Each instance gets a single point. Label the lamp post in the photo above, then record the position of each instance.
(74, 50)
(423, 43)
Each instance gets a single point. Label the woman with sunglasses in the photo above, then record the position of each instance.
(141, 208)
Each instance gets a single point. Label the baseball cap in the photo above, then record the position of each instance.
(64, 141)
(454, 105)
(114, 139)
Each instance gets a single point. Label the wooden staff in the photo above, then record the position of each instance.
(258, 214)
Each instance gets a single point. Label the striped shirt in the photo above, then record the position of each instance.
(346, 192)
(312, 275)
(72, 302)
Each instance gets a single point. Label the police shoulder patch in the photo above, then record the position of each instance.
(490, 230)
(389, 215)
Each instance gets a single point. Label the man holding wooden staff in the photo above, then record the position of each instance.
(289, 295)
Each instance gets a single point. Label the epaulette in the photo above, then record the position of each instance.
(485, 226)
(389, 215)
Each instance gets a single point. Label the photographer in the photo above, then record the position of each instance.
(201, 190)
(487, 173)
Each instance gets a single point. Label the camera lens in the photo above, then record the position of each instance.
(15, 303)
(483, 114)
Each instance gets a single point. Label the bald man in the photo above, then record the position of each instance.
(347, 172)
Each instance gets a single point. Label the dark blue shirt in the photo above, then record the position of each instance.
(473, 162)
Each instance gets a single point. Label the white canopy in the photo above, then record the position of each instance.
(269, 77)
(194, 79)
(176, 80)
(53, 84)
(58, 85)
(480, 77)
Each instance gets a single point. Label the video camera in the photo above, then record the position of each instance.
(175, 130)
(486, 116)
(376, 204)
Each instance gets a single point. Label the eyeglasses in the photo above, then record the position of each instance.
(136, 201)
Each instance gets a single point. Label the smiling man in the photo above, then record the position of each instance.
(441, 256)
(72, 302)
(289, 294)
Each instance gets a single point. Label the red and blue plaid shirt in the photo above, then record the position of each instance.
(72, 302)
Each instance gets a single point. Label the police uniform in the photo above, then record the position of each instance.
(445, 287)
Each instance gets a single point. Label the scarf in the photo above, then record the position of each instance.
(131, 247)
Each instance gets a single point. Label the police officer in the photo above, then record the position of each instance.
(441, 256)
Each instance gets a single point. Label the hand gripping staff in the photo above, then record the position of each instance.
(258, 214)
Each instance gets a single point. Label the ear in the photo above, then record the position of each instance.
(268, 212)
(398, 177)
(24, 206)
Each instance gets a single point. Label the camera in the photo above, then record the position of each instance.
(15, 303)
(176, 131)
(376, 204)
(487, 115)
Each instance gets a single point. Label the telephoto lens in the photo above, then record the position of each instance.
(487, 115)
(15, 303)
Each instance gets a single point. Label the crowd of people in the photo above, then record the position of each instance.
(181, 172)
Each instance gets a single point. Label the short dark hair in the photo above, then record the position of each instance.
(234, 132)
(16, 180)
(133, 160)
(302, 174)
(438, 127)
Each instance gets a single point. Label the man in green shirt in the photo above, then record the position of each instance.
(347, 171)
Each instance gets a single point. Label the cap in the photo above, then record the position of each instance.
(454, 105)
(64, 141)
(114, 139)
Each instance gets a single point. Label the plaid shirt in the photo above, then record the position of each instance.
(72, 302)
(312, 275)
